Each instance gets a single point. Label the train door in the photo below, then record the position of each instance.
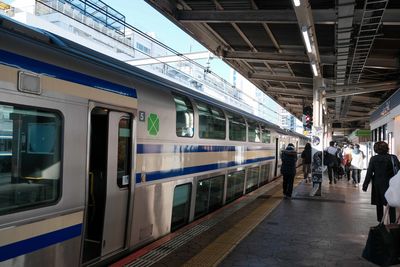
(109, 180)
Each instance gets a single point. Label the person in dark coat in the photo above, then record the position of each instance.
(288, 169)
(306, 157)
(331, 160)
(380, 170)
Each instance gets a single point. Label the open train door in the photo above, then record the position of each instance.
(109, 183)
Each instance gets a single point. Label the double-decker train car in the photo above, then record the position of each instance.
(103, 158)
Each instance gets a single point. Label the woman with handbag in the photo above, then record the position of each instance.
(380, 169)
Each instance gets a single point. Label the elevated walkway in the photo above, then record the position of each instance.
(264, 229)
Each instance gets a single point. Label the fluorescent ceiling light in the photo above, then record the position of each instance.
(306, 39)
(296, 2)
(314, 69)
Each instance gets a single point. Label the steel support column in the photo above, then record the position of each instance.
(317, 137)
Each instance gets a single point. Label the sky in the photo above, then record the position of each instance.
(145, 18)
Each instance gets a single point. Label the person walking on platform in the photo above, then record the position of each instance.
(288, 169)
(380, 170)
(331, 159)
(357, 164)
(347, 151)
(306, 158)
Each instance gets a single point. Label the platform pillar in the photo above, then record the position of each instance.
(317, 137)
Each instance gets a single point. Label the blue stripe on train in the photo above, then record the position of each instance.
(158, 148)
(38, 242)
(36, 66)
(152, 176)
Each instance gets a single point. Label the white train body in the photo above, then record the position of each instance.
(93, 166)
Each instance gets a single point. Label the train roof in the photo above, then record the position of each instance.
(44, 38)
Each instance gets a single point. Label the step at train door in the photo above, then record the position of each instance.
(109, 182)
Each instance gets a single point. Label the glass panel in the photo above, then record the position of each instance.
(237, 128)
(184, 116)
(384, 132)
(30, 157)
(254, 131)
(235, 185)
(266, 135)
(181, 206)
(216, 192)
(124, 140)
(209, 195)
(211, 122)
(264, 173)
(252, 179)
(202, 198)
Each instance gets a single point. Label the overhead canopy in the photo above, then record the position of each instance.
(356, 42)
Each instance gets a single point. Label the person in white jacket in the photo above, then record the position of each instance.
(357, 163)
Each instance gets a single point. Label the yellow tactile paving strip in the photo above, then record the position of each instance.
(215, 252)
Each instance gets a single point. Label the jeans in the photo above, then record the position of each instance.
(332, 172)
(306, 170)
(356, 175)
(288, 184)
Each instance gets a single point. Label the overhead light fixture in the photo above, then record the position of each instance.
(306, 38)
(314, 69)
(296, 2)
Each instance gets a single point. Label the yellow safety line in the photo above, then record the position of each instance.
(215, 252)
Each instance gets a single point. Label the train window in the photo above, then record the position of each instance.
(235, 185)
(237, 128)
(184, 116)
(252, 179)
(384, 132)
(212, 123)
(30, 159)
(181, 206)
(209, 195)
(265, 173)
(265, 134)
(254, 131)
(124, 139)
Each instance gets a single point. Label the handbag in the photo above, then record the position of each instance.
(383, 243)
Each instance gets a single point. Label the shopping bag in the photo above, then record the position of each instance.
(392, 194)
(382, 245)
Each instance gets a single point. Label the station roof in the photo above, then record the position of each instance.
(355, 45)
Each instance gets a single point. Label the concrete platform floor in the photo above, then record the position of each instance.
(263, 229)
(330, 230)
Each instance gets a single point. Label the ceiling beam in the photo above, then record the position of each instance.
(290, 99)
(367, 100)
(274, 57)
(290, 92)
(364, 118)
(282, 16)
(382, 63)
(359, 91)
(274, 78)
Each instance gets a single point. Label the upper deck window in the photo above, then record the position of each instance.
(30, 164)
(237, 127)
(212, 123)
(254, 131)
(184, 116)
(265, 134)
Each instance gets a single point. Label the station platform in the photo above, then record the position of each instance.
(264, 229)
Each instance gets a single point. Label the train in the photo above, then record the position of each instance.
(101, 158)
